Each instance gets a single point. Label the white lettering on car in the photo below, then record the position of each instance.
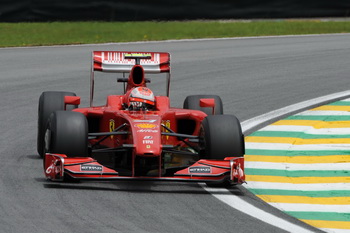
(147, 141)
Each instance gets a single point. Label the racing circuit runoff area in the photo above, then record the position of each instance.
(290, 164)
(319, 61)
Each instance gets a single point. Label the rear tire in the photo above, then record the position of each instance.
(221, 136)
(49, 102)
(192, 102)
(67, 133)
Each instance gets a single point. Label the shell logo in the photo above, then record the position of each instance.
(146, 126)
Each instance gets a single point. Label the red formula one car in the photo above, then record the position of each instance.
(137, 135)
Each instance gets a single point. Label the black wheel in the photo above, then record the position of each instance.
(67, 133)
(192, 102)
(221, 136)
(49, 102)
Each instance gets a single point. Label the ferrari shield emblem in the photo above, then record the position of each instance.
(111, 126)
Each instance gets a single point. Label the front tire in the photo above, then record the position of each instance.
(221, 136)
(67, 133)
(49, 102)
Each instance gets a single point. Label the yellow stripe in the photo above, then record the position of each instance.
(328, 224)
(298, 180)
(298, 159)
(306, 200)
(297, 141)
(315, 124)
(332, 108)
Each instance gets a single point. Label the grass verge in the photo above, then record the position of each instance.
(60, 33)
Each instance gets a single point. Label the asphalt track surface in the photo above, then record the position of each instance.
(253, 76)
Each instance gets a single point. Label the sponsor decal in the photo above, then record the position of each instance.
(50, 168)
(148, 146)
(199, 169)
(147, 131)
(119, 58)
(95, 168)
(145, 121)
(145, 126)
(53, 168)
(155, 59)
(147, 141)
(148, 137)
(138, 55)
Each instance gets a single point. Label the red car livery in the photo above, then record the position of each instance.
(137, 135)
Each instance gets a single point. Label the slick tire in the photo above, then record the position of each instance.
(221, 136)
(67, 133)
(192, 102)
(49, 102)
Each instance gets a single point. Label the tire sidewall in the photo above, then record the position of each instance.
(68, 134)
(49, 102)
(221, 136)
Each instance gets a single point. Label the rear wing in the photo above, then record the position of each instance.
(123, 61)
(119, 62)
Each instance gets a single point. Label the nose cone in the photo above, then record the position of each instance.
(147, 138)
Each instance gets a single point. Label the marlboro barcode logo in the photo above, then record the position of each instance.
(200, 169)
(93, 168)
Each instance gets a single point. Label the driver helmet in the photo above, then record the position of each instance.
(141, 98)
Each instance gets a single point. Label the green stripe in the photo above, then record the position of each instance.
(319, 118)
(328, 193)
(297, 173)
(327, 216)
(295, 152)
(340, 103)
(301, 135)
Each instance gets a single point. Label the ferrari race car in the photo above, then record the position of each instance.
(137, 135)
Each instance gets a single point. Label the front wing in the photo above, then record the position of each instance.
(56, 166)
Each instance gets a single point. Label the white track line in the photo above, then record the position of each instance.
(324, 113)
(298, 166)
(335, 230)
(307, 129)
(287, 146)
(304, 187)
(244, 206)
(256, 121)
(312, 207)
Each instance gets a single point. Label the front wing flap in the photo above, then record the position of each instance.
(56, 166)
(215, 170)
